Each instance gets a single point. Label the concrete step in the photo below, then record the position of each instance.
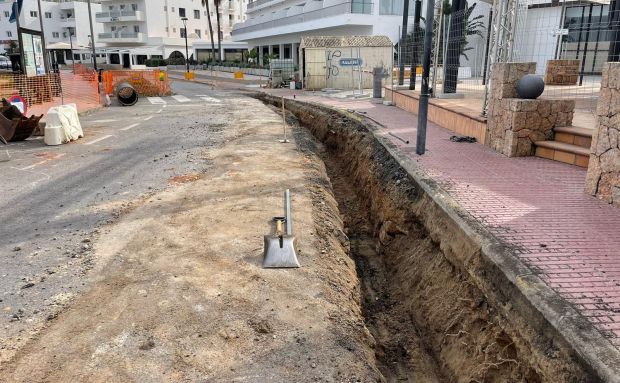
(574, 135)
(563, 152)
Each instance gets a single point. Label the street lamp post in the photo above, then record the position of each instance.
(45, 61)
(71, 43)
(184, 19)
(92, 34)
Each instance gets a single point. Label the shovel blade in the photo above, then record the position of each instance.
(4, 156)
(280, 252)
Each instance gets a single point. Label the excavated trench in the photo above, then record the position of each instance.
(437, 309)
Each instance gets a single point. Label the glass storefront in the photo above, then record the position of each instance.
(589, 34)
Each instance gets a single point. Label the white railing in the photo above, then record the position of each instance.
(112, 14)
(121, 35)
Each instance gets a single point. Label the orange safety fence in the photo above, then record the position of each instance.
(43, 92)
(146, 82)
(81, 69)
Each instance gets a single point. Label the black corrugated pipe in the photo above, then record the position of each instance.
(126, 94)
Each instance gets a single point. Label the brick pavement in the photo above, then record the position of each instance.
(538, 206)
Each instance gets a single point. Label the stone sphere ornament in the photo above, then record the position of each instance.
(530, 86)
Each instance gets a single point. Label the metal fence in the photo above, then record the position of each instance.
(467, 39)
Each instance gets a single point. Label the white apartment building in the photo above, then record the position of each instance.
(136, 30)
(277, 26)
(63, 22)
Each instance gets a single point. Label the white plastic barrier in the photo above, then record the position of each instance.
(63, 125)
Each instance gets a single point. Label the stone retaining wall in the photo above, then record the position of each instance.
(562, 72)
(603, 179)
(514, 124)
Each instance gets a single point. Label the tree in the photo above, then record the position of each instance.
(219, 28)
(205, 3)
(473, 26)
(252, 55)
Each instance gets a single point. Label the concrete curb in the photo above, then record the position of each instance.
(593, 351)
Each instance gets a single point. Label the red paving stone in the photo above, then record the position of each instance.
(571, 240)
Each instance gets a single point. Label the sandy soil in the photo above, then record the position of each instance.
(178, 293)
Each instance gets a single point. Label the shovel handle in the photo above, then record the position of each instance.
(279, 225)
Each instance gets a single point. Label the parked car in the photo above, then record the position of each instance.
(5, 62)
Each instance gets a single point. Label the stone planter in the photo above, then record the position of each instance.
(562, 72)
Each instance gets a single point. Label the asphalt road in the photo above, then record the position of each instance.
(55, 200)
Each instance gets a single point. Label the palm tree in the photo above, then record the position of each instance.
(205, 3)
(219, 29)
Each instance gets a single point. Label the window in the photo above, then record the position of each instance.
(174, 30)
(173, 9)
(48, 15)
(9, 34)
(196, 14)
(34, 14)
(182, 12)
(113, 28)
(55, 34)
(122, 6)
(134, 7)
(166, 29)
(110, 7)
(165, 8)
(182, 30)
(197, 32)
(7, 14)
(387, 7)
(136, 28)
(64, 35)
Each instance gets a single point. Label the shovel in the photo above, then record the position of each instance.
(280, 247)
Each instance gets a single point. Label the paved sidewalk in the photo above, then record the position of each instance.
(535, 205)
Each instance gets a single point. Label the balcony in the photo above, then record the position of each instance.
(361, 7)
(67, 21)
(257, 3)
(121, 37)
(114, 16)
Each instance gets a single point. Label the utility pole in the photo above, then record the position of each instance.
(92, 35)
(22, 59)
(184, 20)
(45, 61)
(416, 42)
(402, 43)
(71, 42)
(420, 145)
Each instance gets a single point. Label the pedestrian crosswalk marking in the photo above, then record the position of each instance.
(156, 100)
(210, 99)
(181, 98)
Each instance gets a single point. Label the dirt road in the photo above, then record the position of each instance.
(178, 292)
